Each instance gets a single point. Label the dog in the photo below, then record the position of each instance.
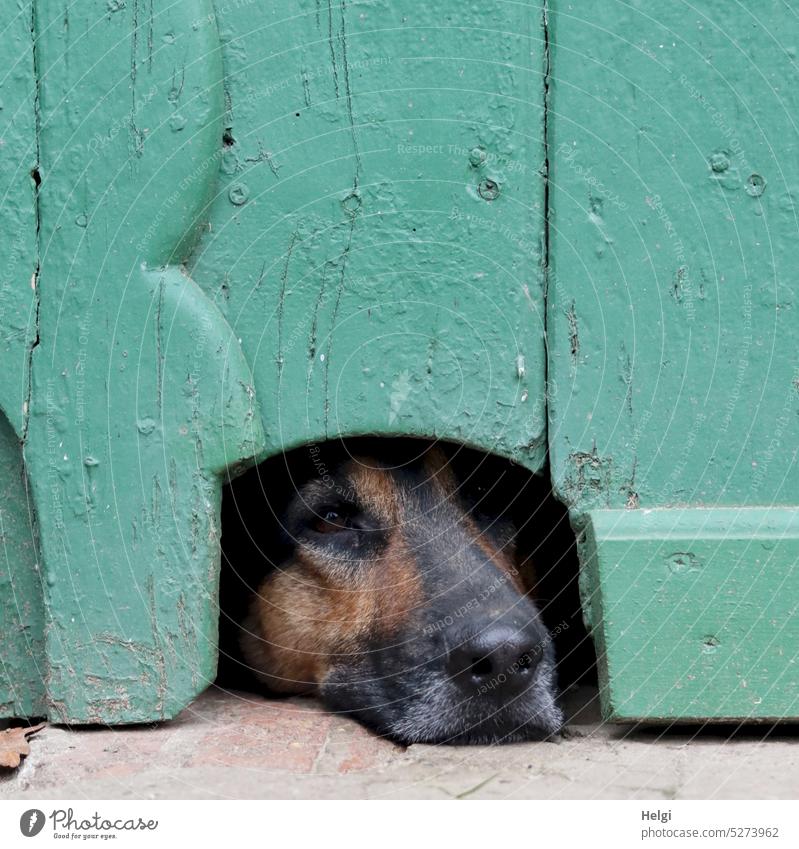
(389, 585)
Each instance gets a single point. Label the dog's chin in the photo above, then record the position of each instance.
(501, 728)
(474, 723)
(433, 710)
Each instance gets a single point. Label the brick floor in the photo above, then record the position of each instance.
(235, 745)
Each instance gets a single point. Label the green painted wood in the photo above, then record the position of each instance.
(141, 398)
(694, 609)
(376, 237)
(21, 607)
(673, 369)
(257, 226)
(18, 158)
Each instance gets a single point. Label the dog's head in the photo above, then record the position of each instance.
(399, 599)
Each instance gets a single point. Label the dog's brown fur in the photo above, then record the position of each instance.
(324, 619)
(307, 613)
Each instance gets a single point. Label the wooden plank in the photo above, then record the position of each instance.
(376, 239)
(22, 658)
(21, 608)
(141, 398)
(18, 223)
(673, 371)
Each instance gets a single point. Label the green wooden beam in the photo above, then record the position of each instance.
(696, 611)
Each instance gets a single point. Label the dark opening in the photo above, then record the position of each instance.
(253, 541)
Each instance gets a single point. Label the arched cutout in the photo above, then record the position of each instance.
(254, 541)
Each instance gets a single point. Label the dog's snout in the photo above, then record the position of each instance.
(409, 560)
(498, 656)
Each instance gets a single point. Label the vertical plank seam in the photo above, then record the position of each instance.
(36, 177)
(545, 257)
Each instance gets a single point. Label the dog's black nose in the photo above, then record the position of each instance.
(496, 657)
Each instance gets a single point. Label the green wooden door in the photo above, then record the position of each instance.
(564, 233)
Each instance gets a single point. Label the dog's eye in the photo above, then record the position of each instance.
(330, 522)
